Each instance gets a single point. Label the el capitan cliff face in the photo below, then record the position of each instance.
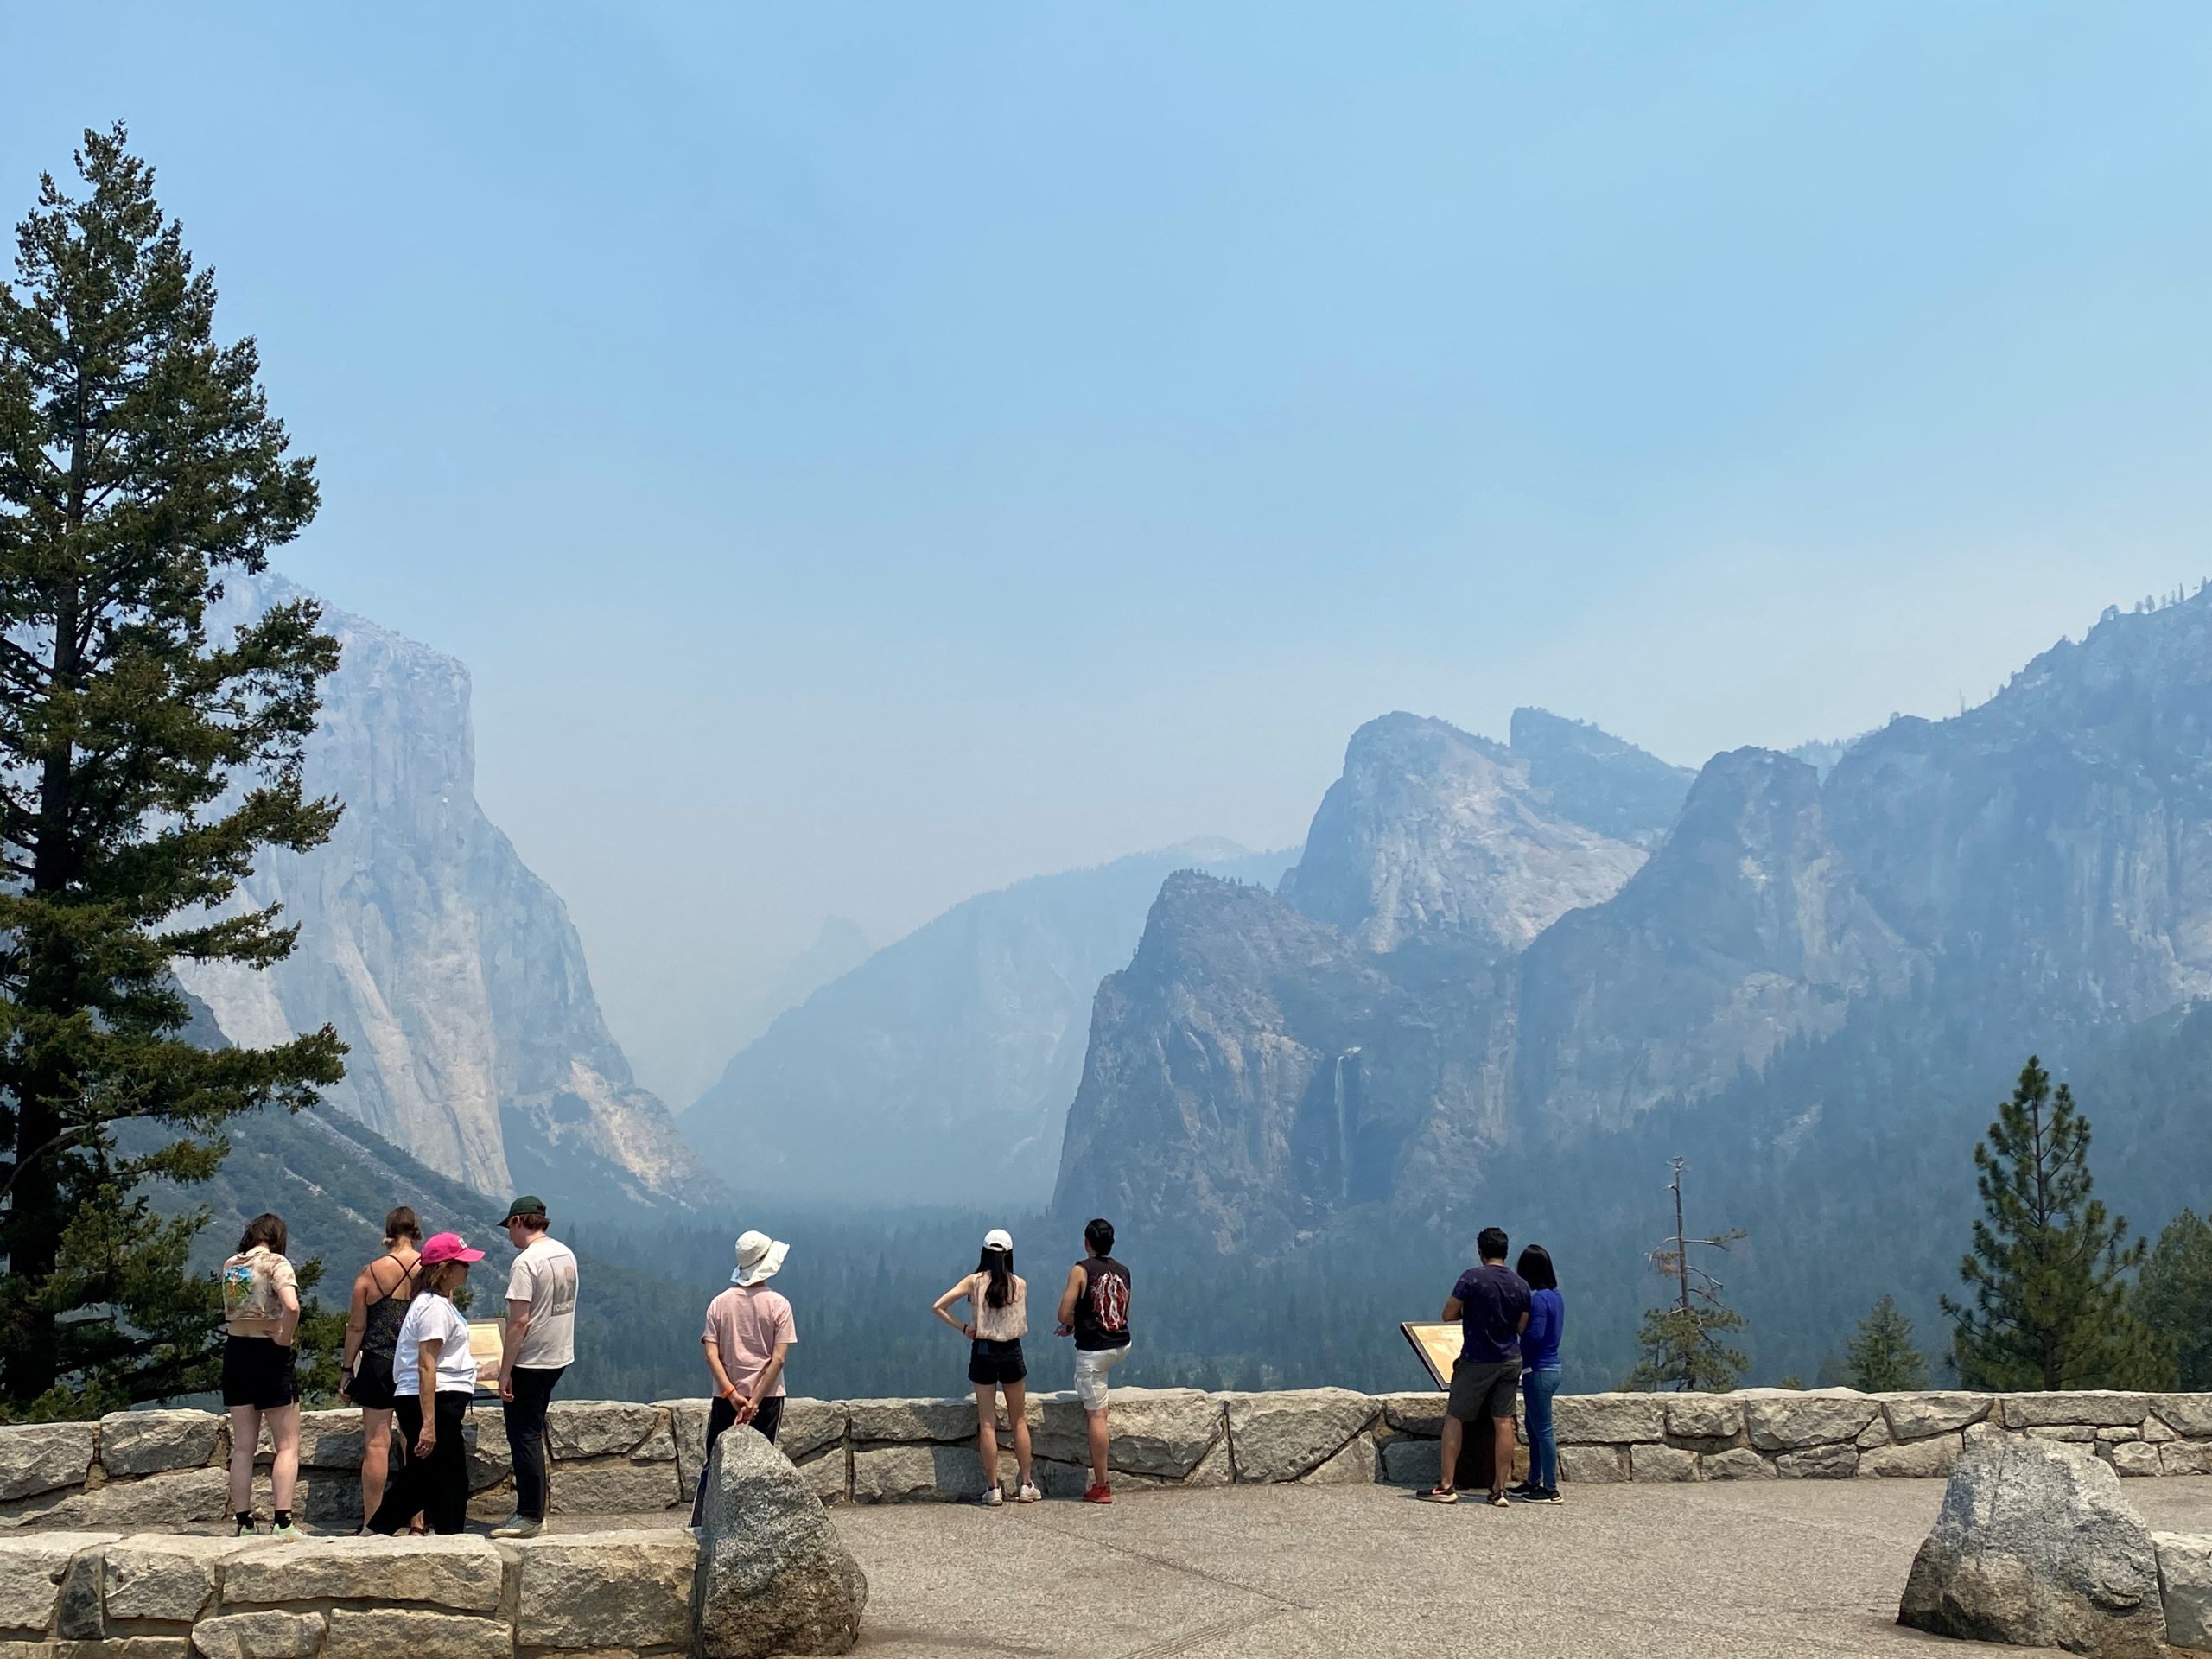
(451, 970)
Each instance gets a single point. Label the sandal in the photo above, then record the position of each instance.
(1440, 1495)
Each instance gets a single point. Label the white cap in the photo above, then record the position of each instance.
(998, 1239)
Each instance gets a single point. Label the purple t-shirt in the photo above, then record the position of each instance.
(1492, 1299)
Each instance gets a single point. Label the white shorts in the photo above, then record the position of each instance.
(1091, 1365)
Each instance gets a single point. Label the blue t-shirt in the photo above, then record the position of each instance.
(1547, 1319)
(1492, 1298)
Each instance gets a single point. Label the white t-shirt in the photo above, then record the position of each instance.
(432, 1318)
(545, 1276)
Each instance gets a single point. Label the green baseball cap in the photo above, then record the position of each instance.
(529, 1204)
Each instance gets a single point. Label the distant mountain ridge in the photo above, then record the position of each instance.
(1464, 978)
(939, 1069)
(450, 970)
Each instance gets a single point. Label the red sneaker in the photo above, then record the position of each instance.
(1100, 1493)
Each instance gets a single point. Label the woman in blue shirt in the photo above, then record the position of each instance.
(1540, 1373)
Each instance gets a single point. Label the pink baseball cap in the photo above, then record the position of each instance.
(449, 1247)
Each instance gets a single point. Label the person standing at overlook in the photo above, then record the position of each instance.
(1490, 1302)
(1540, 1373)
(381, 1293)
(539, 1343)
(261, 1378)
(998, 1303)
(748, 1340)
(434, 1378)
(1094, 1311)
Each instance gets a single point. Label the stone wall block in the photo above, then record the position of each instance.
(596, 1428)
(149, 1502)
(2186, 1415)
(687, 1427)
(329, 1440)
(1661, 1462)
(614, 1486)
(32, 1572)
(1920, 1460)
(1917, 1416)
(898, 1474)
(416, 1633)
(1413, 1462)
(1353, 1466)
(1818, 1463)
(38, 1457)
(1742, 1464)
(2157, 1430)
(260, 1635)
(1875, 1433)
(2185, 1457)
(1415, 1414)
(460, 1574)
(150, 1442)
(1608, 1418)
(2096, 1407)
(810, 1425)
(1713, 1421)
(2185, 1587)
(489, 1460)
(630, 1589)
(827, 1475)
(2131, 1458)
(906, 1423)
(2068, 1433)
(174, 1578)
(1789, 1420)
(1593, 1464)
(659, 1447)
(1165, 1432)
(1288, 1434)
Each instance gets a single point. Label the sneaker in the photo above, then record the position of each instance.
(286, 1531)
(1546, 1495)
(245, 1529)
(518, 1526)
(1500, 1501)
(1522, 1489)
(993, 1498)
(1027, 1493)
(1102, 1493)
(1440, 1495)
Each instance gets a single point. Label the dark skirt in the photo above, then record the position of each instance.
(373, 1385)
(996, 1363)
(257, 1372)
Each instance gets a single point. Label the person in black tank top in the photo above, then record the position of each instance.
(382, 1293)
(1094, 1311)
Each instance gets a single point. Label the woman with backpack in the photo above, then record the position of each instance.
(999, 1316)
(382, 1290)
(261, 1382)
(434, 1378)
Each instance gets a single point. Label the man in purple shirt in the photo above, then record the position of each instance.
(1491, 1304)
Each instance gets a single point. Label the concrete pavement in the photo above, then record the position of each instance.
(1749, 1570)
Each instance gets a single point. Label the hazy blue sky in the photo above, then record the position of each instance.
(867, 454)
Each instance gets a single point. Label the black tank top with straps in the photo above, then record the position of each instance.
(387, 1313)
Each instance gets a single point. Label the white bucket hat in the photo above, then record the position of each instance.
(759, 1258)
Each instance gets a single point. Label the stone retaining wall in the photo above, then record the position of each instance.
(77, 1595)
(165, 1469)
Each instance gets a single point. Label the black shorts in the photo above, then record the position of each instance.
(1483, 1389)
(257, 1372)
(372, 1386)
(996, 1363)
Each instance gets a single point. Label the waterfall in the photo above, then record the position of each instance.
(1343, 1132)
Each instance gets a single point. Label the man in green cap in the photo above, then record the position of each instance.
(540, 1343)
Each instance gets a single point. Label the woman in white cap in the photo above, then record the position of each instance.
(999, 1313)
(748, 1336)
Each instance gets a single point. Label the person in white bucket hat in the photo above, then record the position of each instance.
(999, 1315)
(748, 1337)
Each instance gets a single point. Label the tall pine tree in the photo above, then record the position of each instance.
(142, 764)
(2048, 1305)
(1879, 1357)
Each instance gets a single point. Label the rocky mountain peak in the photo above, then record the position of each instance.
(1599, 780)
(1436, 834)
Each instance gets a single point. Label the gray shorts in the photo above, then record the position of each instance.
(1480, 1389)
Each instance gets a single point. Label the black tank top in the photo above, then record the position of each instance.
(380, 1335)
(1102, 1313)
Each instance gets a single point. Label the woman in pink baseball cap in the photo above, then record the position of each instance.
(434, 1378)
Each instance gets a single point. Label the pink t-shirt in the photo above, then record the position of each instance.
(745, 1322)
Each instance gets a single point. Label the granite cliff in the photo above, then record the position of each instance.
(1496, 962)
(451, 970)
